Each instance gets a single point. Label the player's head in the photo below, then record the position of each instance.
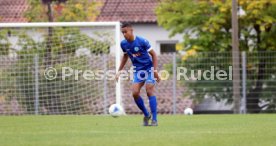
(127, 31)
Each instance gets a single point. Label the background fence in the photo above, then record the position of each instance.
(25, 90)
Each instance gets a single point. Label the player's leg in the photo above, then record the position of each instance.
(152, 102)
(138, 82)
(136, 87)
(150, 87)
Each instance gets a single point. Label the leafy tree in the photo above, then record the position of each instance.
(206, 27)
(62, 10)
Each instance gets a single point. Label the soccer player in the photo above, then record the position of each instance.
(144, 61)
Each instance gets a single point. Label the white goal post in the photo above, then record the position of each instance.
(7, 109)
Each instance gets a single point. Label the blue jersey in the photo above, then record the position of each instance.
(137, 51)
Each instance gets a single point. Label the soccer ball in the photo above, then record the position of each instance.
(188, 111)
(116, 110)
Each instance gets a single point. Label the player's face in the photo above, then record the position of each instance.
(127, 32)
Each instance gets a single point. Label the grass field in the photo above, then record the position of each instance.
(179, 130)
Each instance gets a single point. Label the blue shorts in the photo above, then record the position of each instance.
(144, 76)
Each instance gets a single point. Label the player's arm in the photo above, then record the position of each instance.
(123, 62)
(122, 65)
(155, 64)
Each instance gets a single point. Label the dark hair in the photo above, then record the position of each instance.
(126, 25)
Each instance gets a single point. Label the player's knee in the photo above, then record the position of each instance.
(135, 94)
(150, 92)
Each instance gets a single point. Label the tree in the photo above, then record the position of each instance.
(62, 10)
(206, 26)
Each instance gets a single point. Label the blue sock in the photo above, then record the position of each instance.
(140, 103)
(153, 107)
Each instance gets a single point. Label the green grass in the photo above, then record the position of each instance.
(180, 130)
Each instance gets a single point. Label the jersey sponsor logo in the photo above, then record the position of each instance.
(136, 54)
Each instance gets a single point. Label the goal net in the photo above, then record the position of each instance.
(58, 68)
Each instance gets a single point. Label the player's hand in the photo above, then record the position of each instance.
(117, 76)
(156, 76)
